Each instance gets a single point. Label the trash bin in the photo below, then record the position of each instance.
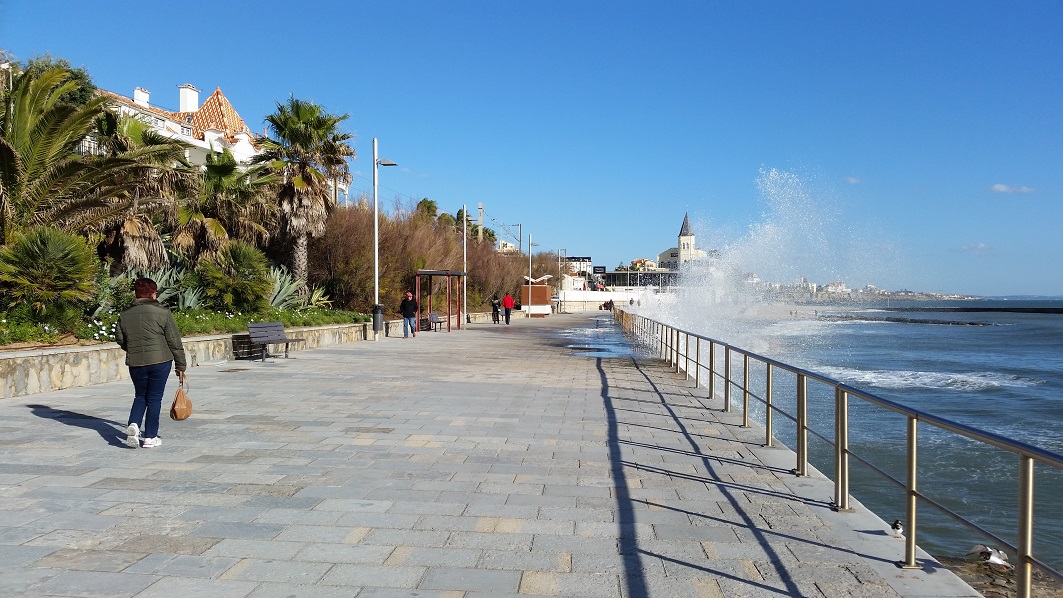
(378, 318)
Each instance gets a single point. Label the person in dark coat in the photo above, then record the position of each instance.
(496, 309)
(149, 336)
(408, 309)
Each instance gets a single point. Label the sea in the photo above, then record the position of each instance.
(983, 363)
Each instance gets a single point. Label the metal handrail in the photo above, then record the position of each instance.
(666, 338)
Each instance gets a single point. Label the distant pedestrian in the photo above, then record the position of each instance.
(408, 308)
(152, 344)
(496, 308)
(507, 304)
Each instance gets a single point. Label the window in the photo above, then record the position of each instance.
(186, 131)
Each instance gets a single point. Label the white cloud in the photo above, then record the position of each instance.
(1002, 188)
(852, 180)
(975, 247)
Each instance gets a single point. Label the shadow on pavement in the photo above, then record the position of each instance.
(110, 430)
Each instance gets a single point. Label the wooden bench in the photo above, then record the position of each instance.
(264, 334)
(434, 321)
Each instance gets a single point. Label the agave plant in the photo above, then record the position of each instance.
(317, 299)
(285, 294)
(168, 280)
(190, 298)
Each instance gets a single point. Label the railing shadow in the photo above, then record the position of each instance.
(733, 492)
(109, 430)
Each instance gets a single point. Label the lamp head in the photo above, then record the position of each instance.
(384, 162)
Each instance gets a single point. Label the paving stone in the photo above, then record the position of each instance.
(327, 475)
(463, 579)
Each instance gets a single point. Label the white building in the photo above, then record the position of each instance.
(207, 127)
(685, 252)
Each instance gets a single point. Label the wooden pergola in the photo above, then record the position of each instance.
(450, 275)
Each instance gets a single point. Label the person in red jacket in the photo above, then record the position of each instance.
(507, 304)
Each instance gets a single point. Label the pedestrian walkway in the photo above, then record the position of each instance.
(492, 461)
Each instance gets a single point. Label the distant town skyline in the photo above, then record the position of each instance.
(898, 144)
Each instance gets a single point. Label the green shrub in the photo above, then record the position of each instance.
(237, 279)
(14, 331)
(51, 272)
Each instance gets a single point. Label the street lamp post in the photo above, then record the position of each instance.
(378, 309)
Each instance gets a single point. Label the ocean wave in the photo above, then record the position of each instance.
(904, 379)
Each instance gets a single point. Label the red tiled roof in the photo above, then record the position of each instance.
(214, 113)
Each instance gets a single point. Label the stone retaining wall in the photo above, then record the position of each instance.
(43, 370)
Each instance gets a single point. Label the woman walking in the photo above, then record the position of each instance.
(149, 336)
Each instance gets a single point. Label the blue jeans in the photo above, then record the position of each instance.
(149, 384)
(409, 325)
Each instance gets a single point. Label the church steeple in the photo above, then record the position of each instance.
(685, 230)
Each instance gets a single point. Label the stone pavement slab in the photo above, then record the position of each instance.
(493, 461)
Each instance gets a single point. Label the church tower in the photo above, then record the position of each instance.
(686, 242)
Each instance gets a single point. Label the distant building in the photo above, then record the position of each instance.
(579, 264)
(684, 253)
(665, 271)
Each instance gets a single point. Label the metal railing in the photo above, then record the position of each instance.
(682, 349)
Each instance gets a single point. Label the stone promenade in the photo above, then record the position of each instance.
(493, 461)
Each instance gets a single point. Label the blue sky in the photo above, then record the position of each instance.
(921, 142)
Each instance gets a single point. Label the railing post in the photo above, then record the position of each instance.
(769, 411)
(745, 390)
(660, 335)
(686, 356)
(802, 425)
(911, 494)
(841, 450)
(697, 362)
(712, 369)
(727, 378)
(1024, 566)
(675, 348)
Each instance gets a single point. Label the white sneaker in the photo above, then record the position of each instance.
(152, 442)
(132, 436)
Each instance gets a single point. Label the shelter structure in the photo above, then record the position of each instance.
(451, 276)
(535, 296)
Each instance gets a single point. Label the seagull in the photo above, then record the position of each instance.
(898, 529)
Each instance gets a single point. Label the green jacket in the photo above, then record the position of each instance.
(149, 335)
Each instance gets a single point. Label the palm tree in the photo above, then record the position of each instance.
(45, 179)
(157, 176)
(40, 173)
(232, 204)
(311, 155)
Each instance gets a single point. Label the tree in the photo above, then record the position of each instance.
(40, 173)
(310, 153)
(427, 208)
(156, 177)
(84, 90)
(45, 179)
(232, 204)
